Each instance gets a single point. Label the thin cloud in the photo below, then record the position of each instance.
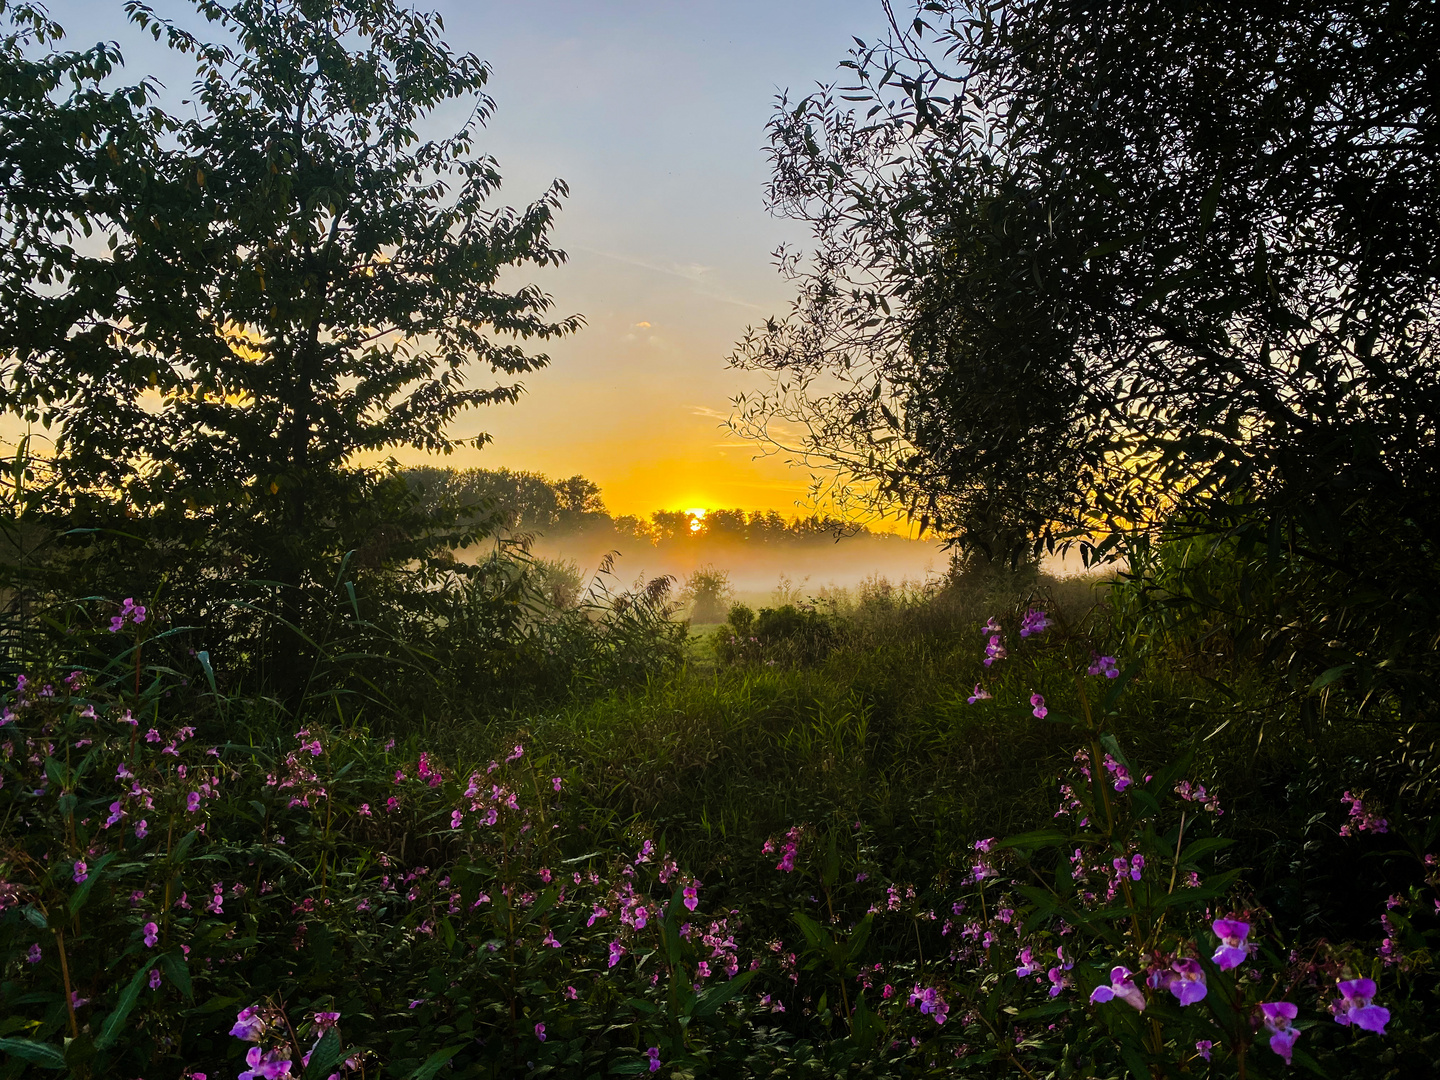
(691, 273)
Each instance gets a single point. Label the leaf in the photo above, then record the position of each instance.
(1334, 674)
(815, 936)
(434, 1062)
(36, 1053)
(116, 1020)
(859, 936)
(716, 996)
(78, 898)
(186, 842)
(204, 657)
(1035, 838)
(1203, 847)
(324, 1057)
(175, 967)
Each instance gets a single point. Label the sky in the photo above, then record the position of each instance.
(654, 114)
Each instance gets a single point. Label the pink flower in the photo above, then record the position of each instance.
(555, 782)
(249, 1025)
(1353, 1006)
(1103, 665)
(691, 898)
(152, 933)
(540, 1032)
(1035, 622)
(1121, 986)
(266, 1066)
(192, 802)
(1185, 979)
(154, 978)
(324, 1021)
(654, 1055)
(1038, 709)
(1277, 1016)
(516, 754)
(994, 651)
(1232, 951)
(33, 956)
(980, 694)
(616, 951)
(1203, 1048)
(142, 829)
(79, 872)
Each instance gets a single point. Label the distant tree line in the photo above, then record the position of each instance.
(529, 502)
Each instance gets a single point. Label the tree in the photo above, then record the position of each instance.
(1062, 233)
(295, 278)
(1090, 270)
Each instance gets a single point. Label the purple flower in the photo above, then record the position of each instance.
(192, 802)
(991, 626)
(151, 935)
(324, 1021)
(33, 956)
(266, 1066)
(1103, 665)
(1038, 709)
(691, 898)
(1277, 1016)
(654, 1055)
(1027, 965)
(1035, 622)
(1203, 1048)
(142, 829)
(981, 694)
(931, 1003)
(79, 872)
(1232, 951)
(1121, 986)
(516, 754)
(249, 1025)
(616, 951)
(555, 782)
(154, 978)
(540, 1032)
(994, 651)
(1185, 979)
(1361, 819)
(1353, 1006)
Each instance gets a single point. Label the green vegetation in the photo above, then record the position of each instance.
(288, 789)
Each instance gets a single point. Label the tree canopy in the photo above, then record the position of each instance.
(1078, 262)
(220, 312)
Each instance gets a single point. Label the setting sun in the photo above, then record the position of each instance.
(697, 513)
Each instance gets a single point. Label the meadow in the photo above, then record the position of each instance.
(818, 840)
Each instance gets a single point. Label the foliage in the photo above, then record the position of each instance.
(708, 592)
(290, 277)
(1086, 272)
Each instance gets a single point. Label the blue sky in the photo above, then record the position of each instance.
(654, 113)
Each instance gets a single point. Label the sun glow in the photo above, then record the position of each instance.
(697, 518)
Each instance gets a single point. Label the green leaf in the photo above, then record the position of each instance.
(324, 1057)
(186, 842)
(815, 935)
(713, 998)
(36, 1053)
(1334, 674)
(434, 1062)
(116, 1020)
(1036, 838)
(859, 936)
(175, 966)
(80, 895)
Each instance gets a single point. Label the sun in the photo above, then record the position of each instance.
(697, 518)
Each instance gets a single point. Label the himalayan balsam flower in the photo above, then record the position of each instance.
(1277, 1016)
(994, 651)
(1233, 950)
(654, 1055)
(154, 978)
(1353, 1006)
(33, 956)
(152, 935)
(1203, 1048)
(265, 1066)
(1185, 979)
(691, 898)
(991, 626)
(540, 1032)
(1121, 986)
(980, 694)
(1103, 665)
(555, 782)
(1035, 622)
(1037, 707)
(516, 754)
(79, 873)
(616, 951)
(249, 1025)
(1361, 819)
